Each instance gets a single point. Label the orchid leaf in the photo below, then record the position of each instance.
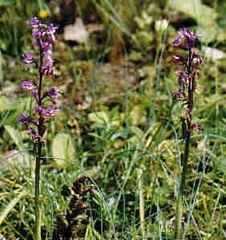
(62, 150)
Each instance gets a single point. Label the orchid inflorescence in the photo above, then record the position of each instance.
(187, 72)
(44, 38)
(188, 62)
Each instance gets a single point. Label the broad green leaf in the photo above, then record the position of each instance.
(11, 205)
(119, 134)
(138, 115)
(195, 9)
(98, 117)
(138, 132)
(203, 14)
(137, 135)
(4, 103)
(15, 135)
(62, 150)
(11, 109)
(7, 2)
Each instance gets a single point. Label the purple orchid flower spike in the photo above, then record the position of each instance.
(47, 113)
(176, 42)
(50, 32)
(44, 38)
(28, 58)
(28, 85)
(34, 22)
(54, 94)
(25, 119)
(188, 70)
(186, 37)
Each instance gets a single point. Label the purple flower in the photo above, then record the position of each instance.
(51, 111)
(196, 58)
(177, 58)
(46, 46)
(38, 30)
(179, 95)
(185, 33)
(36, 35)
(39, 109)
(32, 132)
(53, 93)
(28, 85)
(41, 32)
(48, 70)
(51, 30)
(182, 77)
(35, 94)
(28, 58)
(47, 112)
(44, 38)
(34, 22)
(188, 36)
(47, 58)
(176, 42)
(25, 119)
(196, 126)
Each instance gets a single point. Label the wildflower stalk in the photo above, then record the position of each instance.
(184, 157)
(38, 154)
(187, 81)
(37, 193)
(141, 201)
(43, 38)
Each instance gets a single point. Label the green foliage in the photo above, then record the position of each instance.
(13, 16)
(62, 150)
(204, 15)
(15, 135)
(7, 2)
(4, 103)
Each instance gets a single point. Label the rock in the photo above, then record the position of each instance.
(10, 88)
(214, 53)
(14, 159)
(76, 32)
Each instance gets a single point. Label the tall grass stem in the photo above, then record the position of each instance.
(37, 193)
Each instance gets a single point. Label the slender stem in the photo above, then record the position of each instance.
(38, 156)
(141, 201)
(179, 207)
(37, 193)
(186, 127)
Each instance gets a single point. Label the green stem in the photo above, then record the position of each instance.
(179, 207)
(141, 201)
(37, 193)
(186, 129)
(39, 154)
